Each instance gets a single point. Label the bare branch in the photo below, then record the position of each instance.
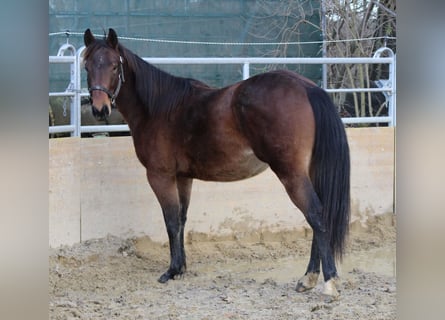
(381, 6)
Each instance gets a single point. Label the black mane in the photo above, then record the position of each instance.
(160, 92)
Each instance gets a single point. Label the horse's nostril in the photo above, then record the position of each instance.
(95, 111)
(99, 115)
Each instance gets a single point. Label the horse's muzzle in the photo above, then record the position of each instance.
(102, 114)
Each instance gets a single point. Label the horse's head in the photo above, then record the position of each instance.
(105, 74)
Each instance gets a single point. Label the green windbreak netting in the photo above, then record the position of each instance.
(194, 28)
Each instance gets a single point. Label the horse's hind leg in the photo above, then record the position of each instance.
(310, 278)
(300, 190)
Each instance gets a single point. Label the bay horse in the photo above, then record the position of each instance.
(183, 129)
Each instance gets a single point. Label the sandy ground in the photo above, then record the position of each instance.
(115, 278)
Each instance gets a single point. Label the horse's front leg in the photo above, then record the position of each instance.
(175, 234)
(166, 191)
(184, 191)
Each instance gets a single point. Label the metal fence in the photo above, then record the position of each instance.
(69, 55)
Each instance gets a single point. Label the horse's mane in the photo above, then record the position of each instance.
(160, 92)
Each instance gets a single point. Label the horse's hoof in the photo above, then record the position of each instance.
(178, 276)
(307, 282)
(330, 290)
(169, 275)
(165, 277)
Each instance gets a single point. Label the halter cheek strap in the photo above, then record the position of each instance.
(111, 95)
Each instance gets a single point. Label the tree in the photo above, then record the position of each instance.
(371, 21)
(286, 23)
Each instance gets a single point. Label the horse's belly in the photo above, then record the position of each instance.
(236, 167)
(245, 167)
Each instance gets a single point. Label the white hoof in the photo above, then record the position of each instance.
(307, 282)
(330, 289)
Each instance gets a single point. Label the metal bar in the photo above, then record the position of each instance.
(62, 94)
(366, 120)
(66, 47)
(246, 70)
(73, 107)
(78, 85)
(392, 97)
(62, 59)
(393, 94)
(324, 67)
(61, 129)
(360, 90)
(391, 100)
(105, 128)
(217, 60)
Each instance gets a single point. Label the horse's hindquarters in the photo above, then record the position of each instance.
(274, 114)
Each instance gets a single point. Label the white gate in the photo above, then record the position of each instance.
(75, 92)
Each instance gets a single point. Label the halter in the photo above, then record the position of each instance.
(111, 95)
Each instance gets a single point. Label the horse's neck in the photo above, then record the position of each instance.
(149, 92)
(130, 107)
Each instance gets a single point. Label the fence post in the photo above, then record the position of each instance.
(79, 91)
(391, 82)
(72, 85)
(246, 70)
(392, 68)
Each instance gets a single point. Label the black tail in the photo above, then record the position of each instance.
(330, 168)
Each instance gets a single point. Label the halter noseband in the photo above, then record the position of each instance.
(111, 95)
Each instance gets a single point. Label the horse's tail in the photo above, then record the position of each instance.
(330, 168)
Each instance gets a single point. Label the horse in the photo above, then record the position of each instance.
(183, 129)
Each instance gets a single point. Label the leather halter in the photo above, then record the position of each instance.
(111, 95)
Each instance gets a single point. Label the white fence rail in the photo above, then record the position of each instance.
(76, 92)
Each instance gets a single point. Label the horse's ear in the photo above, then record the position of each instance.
(112, 38)
(88, 37)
